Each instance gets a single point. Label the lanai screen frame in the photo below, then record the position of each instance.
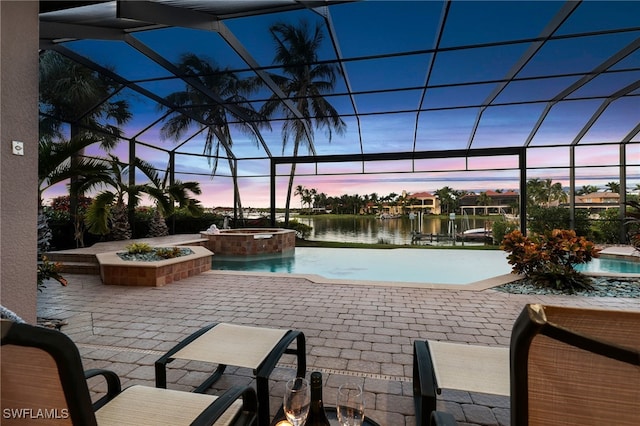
(192, 17)
(420, 155)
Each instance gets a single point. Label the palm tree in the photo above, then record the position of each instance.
(54, 167)
(484, 199)
(299, 192)
(447, 199)
(305, 81)
(108, 211)
(321, 200)
(535, 190)
(556, 193)
(166, 196)
(545, 192)
(587, 189)
(232, 90)
(72, 93)
(307, 198)
(109, 205)
(613, 187)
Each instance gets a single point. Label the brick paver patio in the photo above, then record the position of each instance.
(364, 332)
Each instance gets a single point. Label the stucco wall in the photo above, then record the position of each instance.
(18, 174)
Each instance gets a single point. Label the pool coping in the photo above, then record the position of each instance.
(319, 279)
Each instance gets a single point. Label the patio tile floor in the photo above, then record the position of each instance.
(358, 331)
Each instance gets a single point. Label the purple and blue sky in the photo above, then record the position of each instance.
(387, 93)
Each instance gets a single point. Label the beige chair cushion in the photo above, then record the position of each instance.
(142, 406)
(471, 368)
(229, 344)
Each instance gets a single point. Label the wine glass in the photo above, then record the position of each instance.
(297, 398)
(350, 404)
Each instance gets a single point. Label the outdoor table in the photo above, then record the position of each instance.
(281, 420)
(257, 348)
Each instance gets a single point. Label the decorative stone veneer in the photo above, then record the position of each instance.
(251, 241)
(115, 271)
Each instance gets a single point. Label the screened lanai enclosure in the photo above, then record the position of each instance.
(442, 92)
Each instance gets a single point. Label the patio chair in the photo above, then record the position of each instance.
(43, 382)
(222, 344)
(569, 366)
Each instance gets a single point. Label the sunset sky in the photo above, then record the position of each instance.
(388, 91)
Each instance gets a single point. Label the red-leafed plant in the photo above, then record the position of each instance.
(49, 270)
(547, 259)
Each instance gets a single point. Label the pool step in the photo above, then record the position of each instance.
(75, 263)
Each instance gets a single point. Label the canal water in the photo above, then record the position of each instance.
(371, 230)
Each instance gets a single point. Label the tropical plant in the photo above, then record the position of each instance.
(299, 192)
(545, 192)
(305, 81)
(206, 80)
(55, 166)
(302, 229)
(307, 197)
(49, 270)
(501, 227)
(74, 94)
(607, 227)
(484, 199)
(613, 187)
(541, 219)
(108, 211)
(587, 189)
(157, 225)
(632, 222)
(138, 248)
(547, 259)
(168, 252)
(449, 199)
(169, 196)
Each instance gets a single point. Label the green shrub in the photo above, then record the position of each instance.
(168, 252)
(545, 219)
(502, 227)
(632, 223)
(302, 230)
(139, 248)
(607, 228)
(547, 259)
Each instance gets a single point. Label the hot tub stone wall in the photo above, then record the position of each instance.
(251, 241)
(115, 271)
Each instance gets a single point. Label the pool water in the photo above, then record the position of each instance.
(436, 266)
(603, 264)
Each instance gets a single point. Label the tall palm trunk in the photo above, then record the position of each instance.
(290, 187)
(74, 196)
(236, 188)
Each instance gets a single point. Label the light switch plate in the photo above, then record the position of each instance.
(17, 147)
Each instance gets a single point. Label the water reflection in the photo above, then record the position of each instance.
(371, 230)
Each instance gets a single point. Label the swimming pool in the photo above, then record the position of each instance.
(436, 266)
(605, 264)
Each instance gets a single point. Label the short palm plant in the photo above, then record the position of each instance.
(108, 214)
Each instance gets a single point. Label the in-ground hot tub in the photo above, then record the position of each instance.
(250, 241)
